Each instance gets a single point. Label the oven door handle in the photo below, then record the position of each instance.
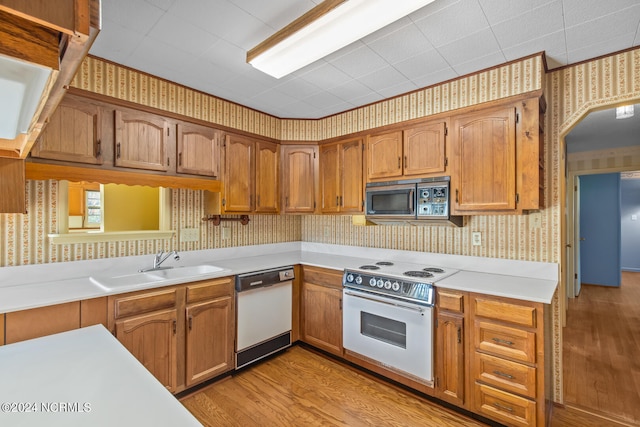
(408, 307)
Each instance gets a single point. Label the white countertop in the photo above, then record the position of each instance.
(83, 377)
(39, 285)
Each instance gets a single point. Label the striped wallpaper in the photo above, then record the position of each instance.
(570, 93)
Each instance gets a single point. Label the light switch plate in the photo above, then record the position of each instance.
(189, 234)
(476, 238)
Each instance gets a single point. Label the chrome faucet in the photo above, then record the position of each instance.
(159, 258)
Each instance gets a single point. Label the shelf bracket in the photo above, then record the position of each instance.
(217, 219)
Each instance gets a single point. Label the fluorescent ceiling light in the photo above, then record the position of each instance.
(624, 112)
(21, 85)
(326, 28)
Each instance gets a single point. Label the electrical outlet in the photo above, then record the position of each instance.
(535, 220)
(476, 238)
(189, 234)
(225, 233)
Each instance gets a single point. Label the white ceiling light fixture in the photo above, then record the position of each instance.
(624, 112)
(326, 28)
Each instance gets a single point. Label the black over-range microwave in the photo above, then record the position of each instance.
(424, 201)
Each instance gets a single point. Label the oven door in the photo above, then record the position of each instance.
(395, 333)
(391, 201)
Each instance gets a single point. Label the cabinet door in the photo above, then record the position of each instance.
(351, 191)
(73, 134)
(151, 338)
(450, 358)
(267, 177)
(198, 150)
(322, 317)
(484, 144)
(424, 149)
(330, 178)
(141, 140)
(299, 178)
(384, 155)
(209, 341)
(239, 177)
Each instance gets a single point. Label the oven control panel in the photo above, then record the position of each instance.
(412, 291)
(433, 200)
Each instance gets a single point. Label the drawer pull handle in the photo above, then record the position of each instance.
(503, 375)
(503, 408)
(501, 341)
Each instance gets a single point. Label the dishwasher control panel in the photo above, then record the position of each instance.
(263, 278)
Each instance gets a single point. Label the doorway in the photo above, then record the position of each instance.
(600, 339)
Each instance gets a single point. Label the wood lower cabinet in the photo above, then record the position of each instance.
(450, 346)
(151, 338)
(299, 166)
(341, 183)
(209, 331)
(141, 140)
(182, 334)
(39, 322)
(73, 134)
(2, 329)
(322, 309)
(198, 150)
(508, 360)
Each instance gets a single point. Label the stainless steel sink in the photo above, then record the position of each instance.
(156, 277)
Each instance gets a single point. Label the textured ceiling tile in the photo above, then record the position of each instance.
(116, 45)
(182, 35)
(383, 78)
(579, 11)
(400, 45)
(358, 62)
(543, 20)
(552, 44)
(474, 46)
(608, 27)
(498, 11)
(419, 65)
(138, 16)
(447, 25)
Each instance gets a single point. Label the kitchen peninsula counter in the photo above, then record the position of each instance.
(40, 285)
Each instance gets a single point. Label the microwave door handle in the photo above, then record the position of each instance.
(412, 197)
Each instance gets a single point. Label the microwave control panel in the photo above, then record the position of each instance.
(433, 200)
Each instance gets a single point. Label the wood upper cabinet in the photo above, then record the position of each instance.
(424, 150)
(485, 147)
(73, 134)
(498, 159)
(198, 150)
(341, 184)
(267, 179)
(384, 155)
(450, 347)
(151, 338)
(322, 309)
(417, 151)
(210, 330)
(299, 165)
(141, 140)
(239, 173)
(13, 197)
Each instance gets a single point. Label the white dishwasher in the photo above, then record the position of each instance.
(263, 307)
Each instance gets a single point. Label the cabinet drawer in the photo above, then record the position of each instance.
(209, 290)
(504, 374)
(144, 303)
(323, 276)
(504, 407)
(450, 301)
(504, 341)
(499, 310)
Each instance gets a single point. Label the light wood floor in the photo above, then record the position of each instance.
(302, 388)
(602, 350)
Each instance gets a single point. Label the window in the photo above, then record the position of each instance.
(93, 211)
